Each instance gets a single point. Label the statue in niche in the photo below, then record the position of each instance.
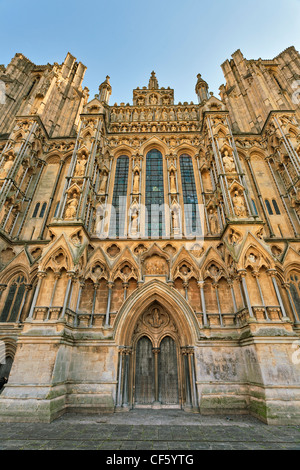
(193, 114)
(103, 182)
(175, 218)
(6, 167)
(153, 99)
(136, 182)
(99, 217)
(173, 188)
(239, 205)
(213, 222)
(172, 115)
(156, 321)
(113, 116)
(157, 115)
(228, 161)
(80, 166)
(134, 221)
(186, 115)
(72, 205)
(149, 115)
(234, 238)
(135, 116)
(127, 115)
(164, 115)
(142, 115)
(179, 115)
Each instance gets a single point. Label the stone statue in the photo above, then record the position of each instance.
(239, 205)
(80, 166)
(72, 205)
(153, 99)
(164, 115)
(6, 167)
(157, 115)
(173, 188)
(103, 182)
(134, 221)
(172, 115)
(228, 161)
(149, 115)
(136, 182)
(213, 222)
(175, 219)
(135, 116)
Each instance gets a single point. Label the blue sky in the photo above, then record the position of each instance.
(129, 39)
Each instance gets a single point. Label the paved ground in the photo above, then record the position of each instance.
(149, 430)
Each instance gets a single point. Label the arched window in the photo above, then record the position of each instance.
(118, 215)
(294, 281)
(56, 209)
(43, 209)
(276, 208)
(155, 222)
(268, 205)
(36, 209)
(13, 303)
(254, 207)
(190, 200)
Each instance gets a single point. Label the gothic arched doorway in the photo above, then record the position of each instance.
(156, 373)
(156, 370)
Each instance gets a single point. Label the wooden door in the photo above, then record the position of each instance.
(144, 373)
(168, 372)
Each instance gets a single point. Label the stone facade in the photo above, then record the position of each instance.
(107, 302)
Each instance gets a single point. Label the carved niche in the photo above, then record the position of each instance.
(155, 321)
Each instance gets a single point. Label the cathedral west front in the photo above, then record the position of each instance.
(150, 252)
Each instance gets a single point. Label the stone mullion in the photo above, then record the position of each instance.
(216, 287)
(230, 284)
(201, 285)
(272, 273)
(272, 234)
(203, 197)
(110, 285)
(222, 174)
(69, 176)
(49, 205)
(67, 294)
(57, 276)
(9, 178)
(96, 285)
(28, 287)
(240, 171)
(295, 313)
(282, 198)
(226, 197)
(288, 191)
(31, 198)
(242, 274)
(40, 275)
(256, 276)
(156, 352)
(289, 148)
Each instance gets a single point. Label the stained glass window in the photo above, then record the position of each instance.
(275, 205)
(190, 200)
(155, 215)
(36, 210)
(13, 300)
(118, 215)
(269, 207)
